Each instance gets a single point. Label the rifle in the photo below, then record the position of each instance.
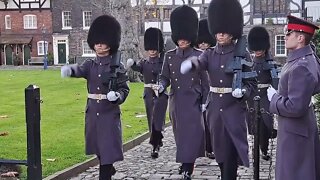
(109, 79)
(235, 66)
(272, 67)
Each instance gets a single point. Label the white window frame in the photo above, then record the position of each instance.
(7, 21)
(276, 46)
(64, 23)
(30, 21)
(86, 51)
(86, 22)
(40, 47)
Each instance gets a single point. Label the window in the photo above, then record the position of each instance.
(7, 21)
(86, 19)
(66, 20)
(166, 13)
(86, 51)
(280, 48)
(269, 6)
(40, 45)
(30, 21)
(152, 13)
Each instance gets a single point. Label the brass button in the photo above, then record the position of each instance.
(99, 75)
(192, 79)
(170, 64)
(100, 64)
(222, 66)
(152, 80)
(98, 88)
(221, 81)
(258, 90)
(176, 79)
(178, 87)
(221, 110)
(98, 101)
(172, 72)
(220, 95)
(98, 114)
(169, 57)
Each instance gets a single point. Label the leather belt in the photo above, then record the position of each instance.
(97, 96)
(220, 90)
(263, 85)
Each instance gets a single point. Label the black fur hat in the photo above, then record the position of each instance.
(225, 16)
(184, 24)
(204, 34)
(258, 39)
(153, 39)
(105, 29)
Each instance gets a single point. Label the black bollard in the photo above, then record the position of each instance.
(32, 105)
(256, 149)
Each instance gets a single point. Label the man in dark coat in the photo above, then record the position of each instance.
(226, 112)
(298, 146)
(188, 92)
(107, 89)
(259, 43)
(205, 41)
(155, 103)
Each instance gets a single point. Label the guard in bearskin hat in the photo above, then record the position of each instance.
(226, 110)
(298, 143)
(259, 43)
(107, 89)
(205, 40)
(155, 102)
(188, 92)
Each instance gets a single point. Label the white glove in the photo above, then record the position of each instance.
(66, 71)
(238, 93)
(186, 66)
(271, 91)
(130, 62)
(158, 88)
(203, 107)
(113, 96)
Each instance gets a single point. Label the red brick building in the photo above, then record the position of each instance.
(25, 30)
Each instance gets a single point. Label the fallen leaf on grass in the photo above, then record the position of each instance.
(3, 116)
(4, 133)
(128, 126)
(141, 116)
(10, 174)
(51, 160)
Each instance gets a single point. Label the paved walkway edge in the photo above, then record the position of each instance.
(83, 166)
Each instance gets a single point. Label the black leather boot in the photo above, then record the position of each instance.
(155, 152)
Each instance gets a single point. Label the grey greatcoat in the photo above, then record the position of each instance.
(155, 106)
(103, 132)
(225, 113)
(186, 95)
(298, 146)
(263, 79)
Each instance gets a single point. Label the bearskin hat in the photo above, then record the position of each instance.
(204, 34)
(184, 24)
(225, 16)
(258, 39)
(153, 39)
(105, 29)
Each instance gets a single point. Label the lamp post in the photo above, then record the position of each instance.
(45, 60)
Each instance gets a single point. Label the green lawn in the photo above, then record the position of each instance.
(62, 117)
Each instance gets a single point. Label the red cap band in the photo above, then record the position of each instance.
(299, 27)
